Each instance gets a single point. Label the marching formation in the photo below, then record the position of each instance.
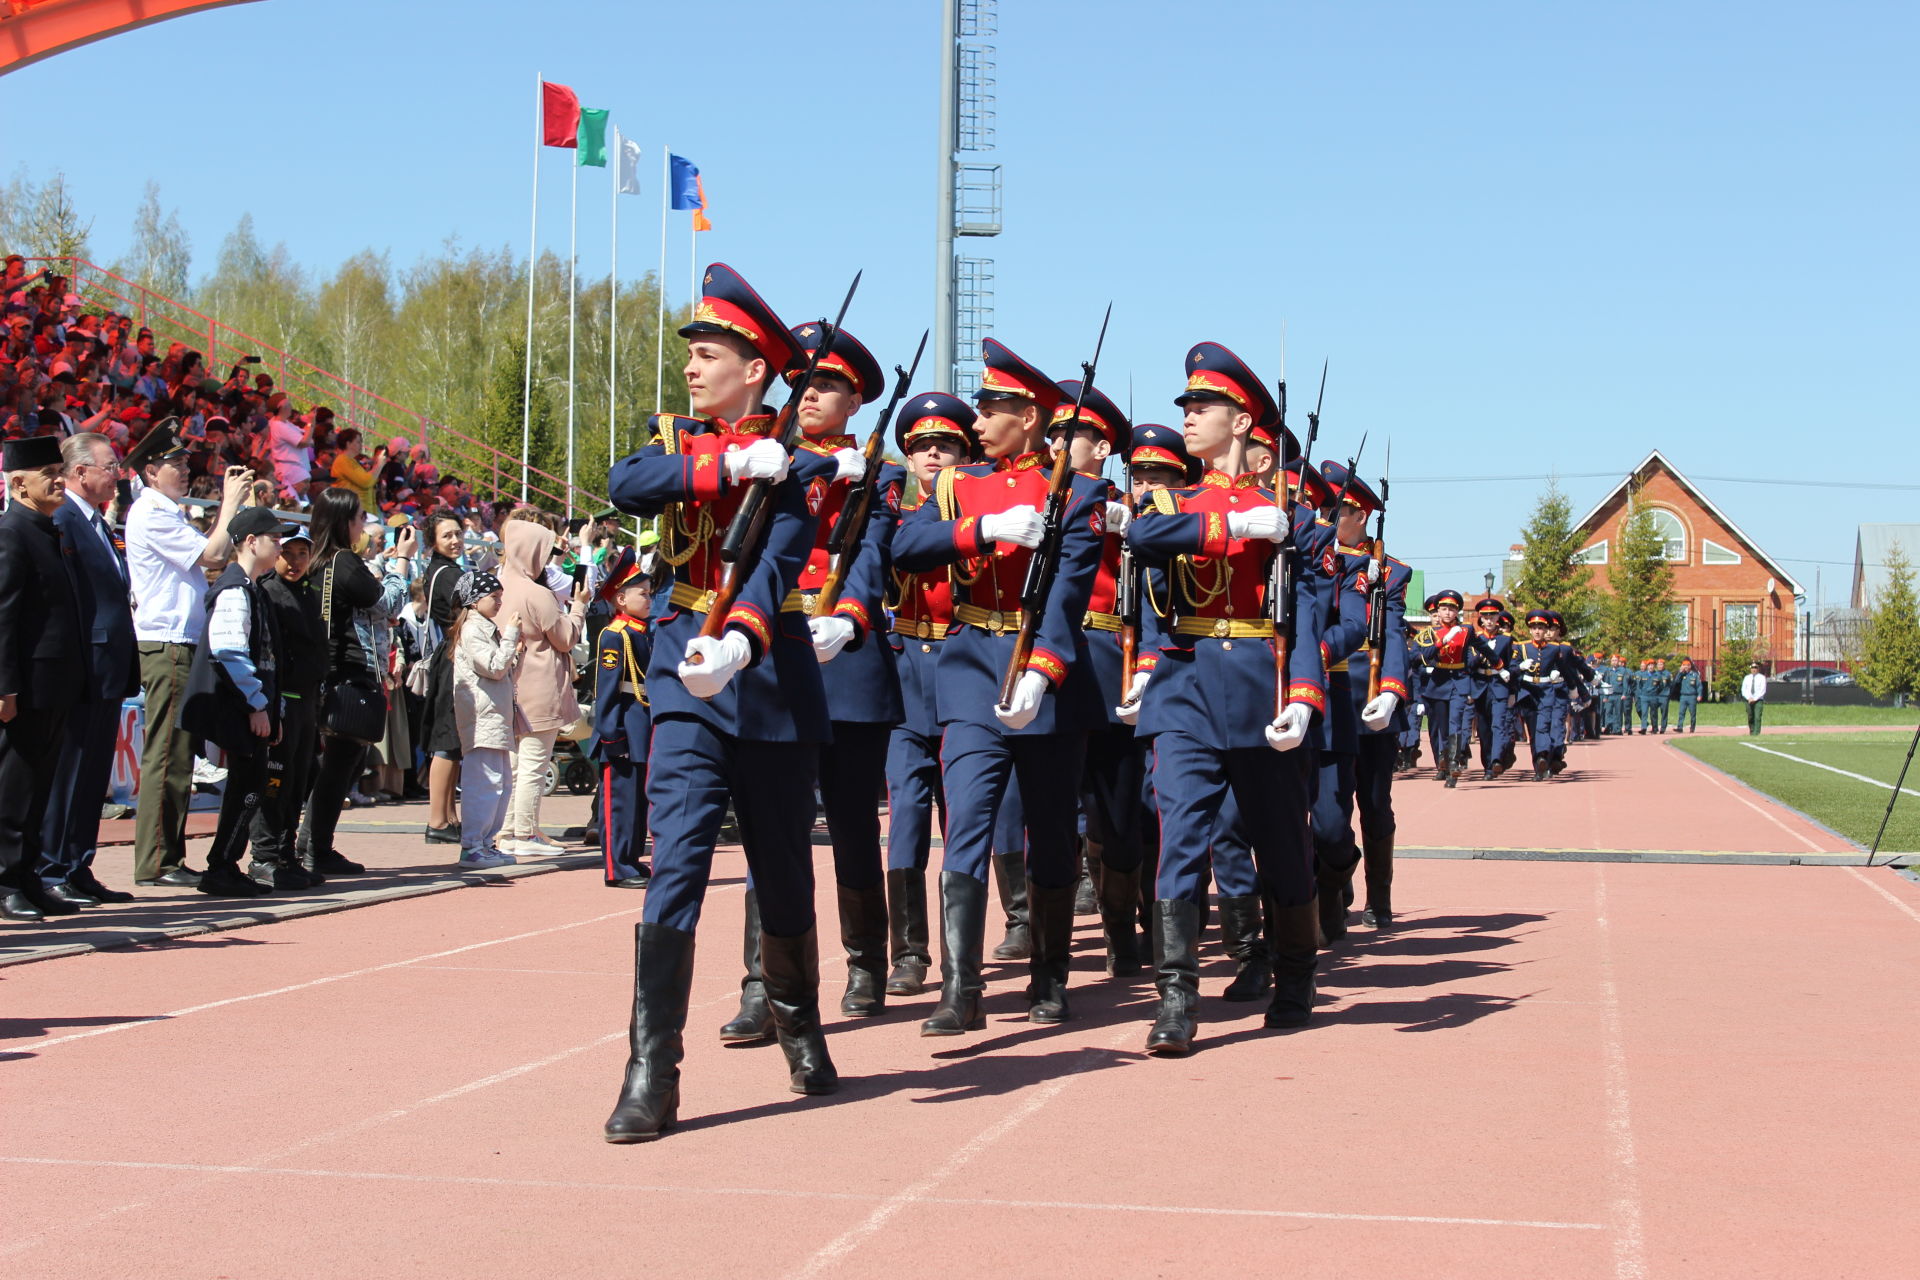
(1139, 703)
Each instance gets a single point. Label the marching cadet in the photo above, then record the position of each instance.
(1209, 704)
(622, 726)
(1448, 692)
(933, 431)
(740, 714)
(1357, 775)
(1688, 688)
(1544, 670)
(983, 524)
(1489, 678)
(1416, 707)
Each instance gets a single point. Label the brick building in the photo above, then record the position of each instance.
(1724, 584)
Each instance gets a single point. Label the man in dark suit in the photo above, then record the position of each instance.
(72, 826)
(41, 643)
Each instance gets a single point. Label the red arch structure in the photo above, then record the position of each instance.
(34, 29)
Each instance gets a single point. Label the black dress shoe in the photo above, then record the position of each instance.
(86, 882)
(332, 864)
(46, 903)
(630, 882)
(69, 895)
(14, 906)
(182, 876)
(449, 834)
(228, 882)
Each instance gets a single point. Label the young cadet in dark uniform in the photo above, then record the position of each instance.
(1688, 689)
(622, 722)
(933, 431)
(741, 715)
(300, 631)
(44, 666)
(983, 523)
(1489, 679)
(1362, 779)
(1542, 670)
(1443, 650)
(1416, 707)
(1662, 694)
(1209, 705)
(1111, 783)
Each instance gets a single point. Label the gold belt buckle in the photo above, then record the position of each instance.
(809, 602)
(925, 629)
(1221, 627)
(996, 622)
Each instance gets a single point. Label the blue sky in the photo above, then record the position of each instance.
(1531, 238)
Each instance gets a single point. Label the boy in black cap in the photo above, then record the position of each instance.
(300, 630)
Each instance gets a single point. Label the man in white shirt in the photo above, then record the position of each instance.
(291, 446)
(1754, 690)
(167, 560)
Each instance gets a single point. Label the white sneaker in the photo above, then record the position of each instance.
(482, 859)
(540, 843)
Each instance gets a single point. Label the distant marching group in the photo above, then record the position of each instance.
(1480, 681)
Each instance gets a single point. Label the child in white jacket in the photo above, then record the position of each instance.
(485, 650)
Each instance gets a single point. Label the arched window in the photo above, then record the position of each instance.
(1673, 532)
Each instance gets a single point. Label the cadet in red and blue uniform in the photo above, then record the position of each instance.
(933, 431)
(1357, 774)
(1443, 648)
(741, 715)
(622, 725)
(1489, 678)
(1542, 671)
(1209, 704)
(982, 524)
(1111, 783)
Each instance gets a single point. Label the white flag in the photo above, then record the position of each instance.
(629, 152)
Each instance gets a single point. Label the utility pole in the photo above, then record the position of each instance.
(969, 192)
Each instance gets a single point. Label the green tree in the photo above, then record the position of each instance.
(1550, 577)
(1639, 620)
(1736, 655)
(40, 219)
(1889, 665)
(162, 255)
(500, 426)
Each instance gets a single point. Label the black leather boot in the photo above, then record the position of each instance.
(1053, 912)
(1119, 914)
(662, 980)
(1378, 853)
(863, 932)
(1241, 933)
(1010, 877)
(1290, 942)
(907, 927)
(754, 1023)
(1086, 899)
(1176, 935)
(1336, 890)
(790, 968)
(963, 927)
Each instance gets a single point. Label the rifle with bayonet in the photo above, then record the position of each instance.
(748, 527)
(850, 529)
(1280, 577)
(1044, 563)
(1377, 589)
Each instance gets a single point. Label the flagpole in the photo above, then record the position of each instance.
(573, 261)
(613, 302)
(533, 252)
(660, 281)
(693, 281)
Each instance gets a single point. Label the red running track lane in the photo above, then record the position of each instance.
(1630, 793)
(1554, 1069)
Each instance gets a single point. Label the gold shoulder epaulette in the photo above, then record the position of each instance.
(1165, 503)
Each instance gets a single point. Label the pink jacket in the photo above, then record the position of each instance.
(543, 686)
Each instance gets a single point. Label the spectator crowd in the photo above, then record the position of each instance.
(336, 626)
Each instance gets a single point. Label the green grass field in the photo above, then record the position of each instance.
(1848, 805)
(1783, 712)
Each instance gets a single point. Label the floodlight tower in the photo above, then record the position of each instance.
(969, 192)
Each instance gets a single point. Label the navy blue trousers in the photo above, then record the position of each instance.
(1112, 796)
(1192, 780)
(853, 777)
(1493, 721)
(978, 763)
(914, 794)
(623, 818)
(1331, 818)
(692, 769)
(1373, 786)
(71, 829)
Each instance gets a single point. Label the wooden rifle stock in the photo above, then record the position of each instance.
(850, 529)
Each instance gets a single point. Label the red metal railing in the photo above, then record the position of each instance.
(486, 468)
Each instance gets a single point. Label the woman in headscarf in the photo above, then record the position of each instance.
(543, 688)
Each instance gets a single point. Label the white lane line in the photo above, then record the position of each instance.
(1629, 1237)
(37, 1045)
(555, 973)
(837, 1249)
(1905, 906)
(1200, 1211)
(1845, 773)
(1801, 836)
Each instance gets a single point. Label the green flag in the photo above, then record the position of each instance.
(593, 137)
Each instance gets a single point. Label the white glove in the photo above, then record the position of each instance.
(719, 660)
(1258, 522)
(1504, 674)
(1119, 516)
(849, 464)
(1129, 710)
(1290, 730)
(1530, 664)
(761, 460)
(830, 636)
(1419, 708)
(1428, 669)
(1022, 526)
(1027, 692)
(1378, 712)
